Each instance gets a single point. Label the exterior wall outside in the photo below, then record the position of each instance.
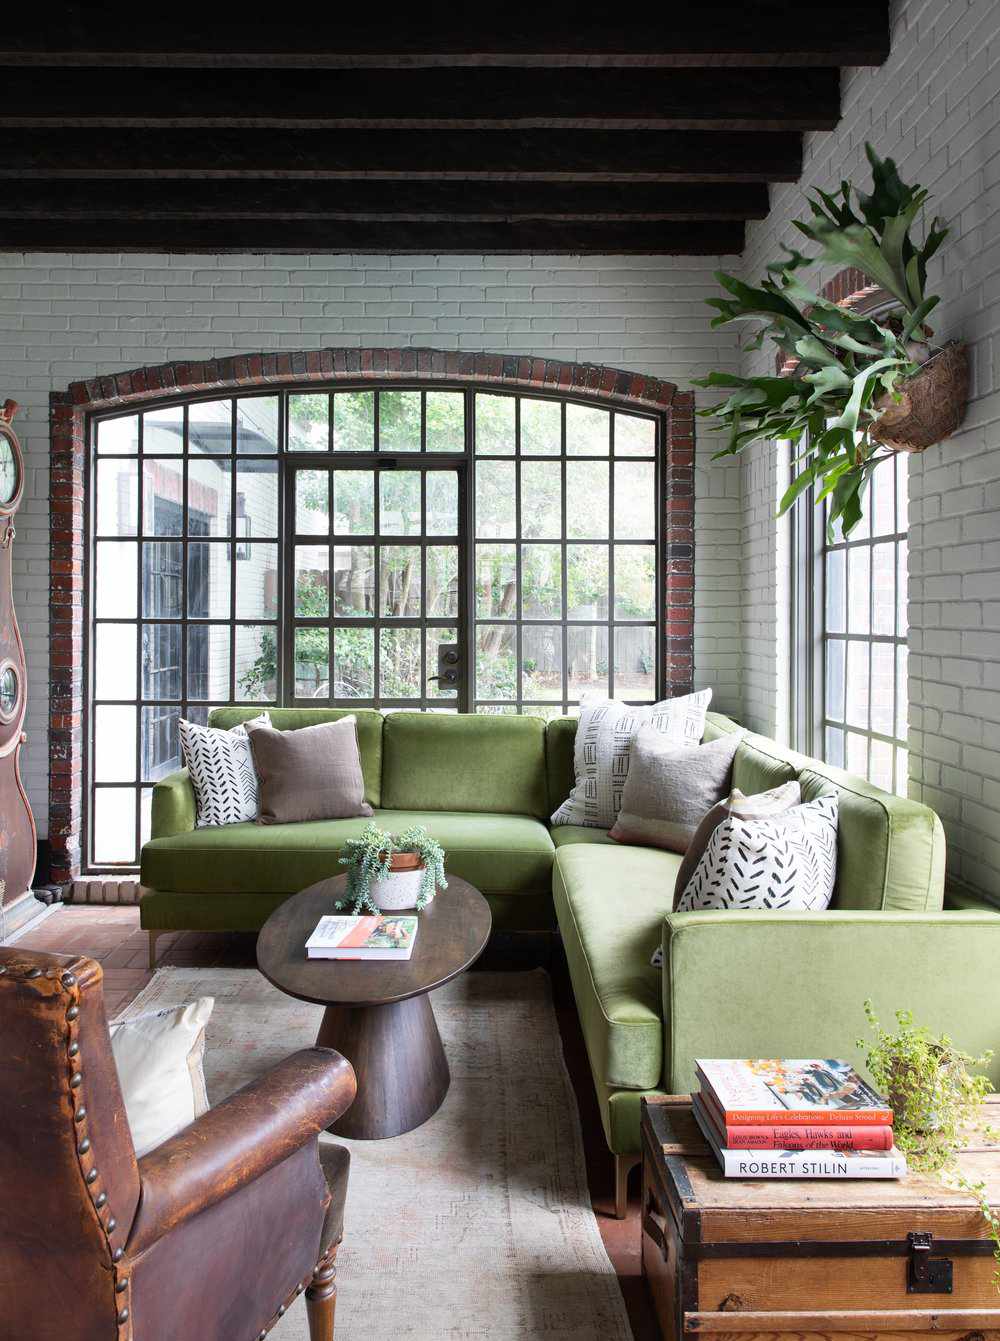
(65, 318)
(935, 108)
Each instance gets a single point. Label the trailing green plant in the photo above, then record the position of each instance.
(369, 858)
(935, 1099)
(844, 363)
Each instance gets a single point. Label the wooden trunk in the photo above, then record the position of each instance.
(808, 1259)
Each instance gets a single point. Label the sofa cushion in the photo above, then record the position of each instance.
(560, 769)
(610, 901)
(369, 728)
(565, 834)
(468, 762)
(497, 853)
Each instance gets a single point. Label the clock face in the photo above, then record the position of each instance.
(9, 472)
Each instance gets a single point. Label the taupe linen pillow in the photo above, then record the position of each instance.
(310, 774)
(669, 788)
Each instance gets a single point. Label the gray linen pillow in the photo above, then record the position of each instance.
(669, 788)
(312, 773)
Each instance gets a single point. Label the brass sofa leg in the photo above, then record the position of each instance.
(153, 936)
(321, 1297)
(624, 1164)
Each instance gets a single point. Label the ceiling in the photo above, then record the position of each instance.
(124, 130)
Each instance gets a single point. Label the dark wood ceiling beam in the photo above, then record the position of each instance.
(536, 237)
(365, 200)
(484, 155)
(424, 99)
(767, 33)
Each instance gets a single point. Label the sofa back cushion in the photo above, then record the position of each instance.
(464, 761)
(560, 770)
(369, 728)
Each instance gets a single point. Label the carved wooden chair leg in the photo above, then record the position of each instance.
(153, 937)
(624, 1164)
(321, 1297)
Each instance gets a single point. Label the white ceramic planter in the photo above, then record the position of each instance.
(400, 889)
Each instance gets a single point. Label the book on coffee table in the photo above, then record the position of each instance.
(373, 938)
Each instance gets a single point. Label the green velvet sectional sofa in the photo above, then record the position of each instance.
(732, 984)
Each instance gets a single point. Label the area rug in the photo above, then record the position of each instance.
(478, 1224)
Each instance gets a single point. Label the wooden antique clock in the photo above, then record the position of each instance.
(17, 825)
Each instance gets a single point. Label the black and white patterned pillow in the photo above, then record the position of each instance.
(601, 752)
(788, 863)
(222, 774)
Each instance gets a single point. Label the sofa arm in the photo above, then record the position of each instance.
(239, 1140)
(763, 984)
(173, 805)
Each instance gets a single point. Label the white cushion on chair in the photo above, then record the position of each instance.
(159, 1058)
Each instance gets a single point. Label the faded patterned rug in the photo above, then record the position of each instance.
(477, 1224)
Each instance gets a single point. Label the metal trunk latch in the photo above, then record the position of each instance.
(926, 1274)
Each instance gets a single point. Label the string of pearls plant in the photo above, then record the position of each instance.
(368, 860)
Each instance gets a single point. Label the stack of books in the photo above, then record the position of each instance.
(810, 1118)
(372, 938)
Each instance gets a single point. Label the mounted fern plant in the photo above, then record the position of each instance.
(859, 387)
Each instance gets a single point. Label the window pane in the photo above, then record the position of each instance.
(312, 581)
(445, 421)
(836, 591)
(587, 581)
(210, 427)
(635, 663)
(354, 421)
(541, 581)
(883, 708)
(400, 674)
(399, 421)
(208, 661)
(587, 650)
(117, 497)
(257, 582)
(145, 815)
(208, 581)
(312, 502)
(353, 502)
(880, 764)
(588, 431)
(496, 582)
(902, 694)
(257, 424)
(162, 498)
(114, 661)
(119, 436)
(834, 696)
(884, 588)
(541, 427)
(495, 432)
(435, 637)
(541, 500)
(114, 744)
(209, 494)
(309, 423)
(857, 754)
(353, 580)
(859, 587)
(354, 663)
(161, 661)
(834, 753)
(634, 436)
(495, 501)
(882, 500)
(400, 581)
(496, 668)
(902, 465)
(162, 566)
(902, 772)
(635, 514)
(257, 499)
(114, 825)
(541, 661)
(902, 588)
(441, 490)
(442, 581)
(163, 431)
(587, 499)
(635, 582)
(161, 741)
(115, 582)
(857, 683)
(312, 663)
(399, 502)
(256, 657)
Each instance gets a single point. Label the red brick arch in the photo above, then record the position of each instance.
(242, 372)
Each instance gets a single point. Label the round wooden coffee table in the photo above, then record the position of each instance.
(378, 1014)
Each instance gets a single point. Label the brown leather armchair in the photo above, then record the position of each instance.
(209, 1237)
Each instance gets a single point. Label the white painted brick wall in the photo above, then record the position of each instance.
(64, 317)
(934, 107)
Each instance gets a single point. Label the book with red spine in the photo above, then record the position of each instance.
(787, 1135)
(800, 1092)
